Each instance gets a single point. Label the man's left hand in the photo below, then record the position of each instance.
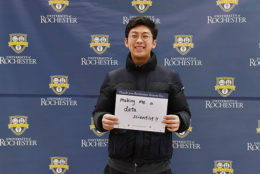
(172, 122)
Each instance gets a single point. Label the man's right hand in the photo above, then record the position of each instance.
(108, 121)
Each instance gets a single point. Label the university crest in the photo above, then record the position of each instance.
(58, 5)
(185, 133)
(227, 5)
(258, 129)
(99, 43)
(225, 85)
(223, 167)
(59, 84)
(141, 5)
(59, 165)
(93, 128)
(18, 124)
(18, 42)
(183, 43)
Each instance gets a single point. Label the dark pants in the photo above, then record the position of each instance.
(109, 170)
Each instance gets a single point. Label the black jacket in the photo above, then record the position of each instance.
(141, 146)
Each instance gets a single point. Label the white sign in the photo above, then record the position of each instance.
(141, 110)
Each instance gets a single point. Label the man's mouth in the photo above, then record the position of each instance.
(139, 48)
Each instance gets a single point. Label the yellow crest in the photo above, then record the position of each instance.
(183, 43)
(58, 5)
(227, 5)
(225, 85)
(141, 5)
(59, 165)
(99, 43)
(18, 124)
(59, 84)
(185, 133)
(222, 166)
(258, 129)
(18, 42)
(93, 128)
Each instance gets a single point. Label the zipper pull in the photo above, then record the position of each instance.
(135, 167)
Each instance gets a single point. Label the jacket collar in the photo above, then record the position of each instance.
(148, 66)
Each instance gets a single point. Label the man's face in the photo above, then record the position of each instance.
(140, 43)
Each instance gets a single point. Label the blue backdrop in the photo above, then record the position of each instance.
(55, 54)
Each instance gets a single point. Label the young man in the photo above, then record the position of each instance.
(132, 151)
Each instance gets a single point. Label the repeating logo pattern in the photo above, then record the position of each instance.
(59, 165)
(99, 43)
(18, 42)
(223, 167)
(227, 5)
(59, 84)
(93, 128)
(225, 85)
(58, 5)
(185, 133)
(18, 124)
(141, 5)
(183, 43)
(258, 129)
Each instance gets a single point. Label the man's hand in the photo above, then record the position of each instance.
(108, 121)
(172, 122)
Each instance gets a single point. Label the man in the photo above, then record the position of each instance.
(132, 151)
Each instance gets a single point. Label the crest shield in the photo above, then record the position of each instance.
(258, 129)
(58, 5)
(18, 42)
(59, 84)
(225, 85)
(183, 43)
(93, 128)
(185, 133)
(18, 124)
(59, 165)
(141, 5)
(222, 166)
(99, 43)
(227, 5)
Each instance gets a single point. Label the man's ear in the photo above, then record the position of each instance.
(126, 42)
(154, 43)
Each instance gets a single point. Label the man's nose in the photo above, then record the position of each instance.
(139, 39)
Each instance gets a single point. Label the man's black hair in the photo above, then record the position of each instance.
(141, 20)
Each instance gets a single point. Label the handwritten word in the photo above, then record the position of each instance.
(149, 118)
(128, 100)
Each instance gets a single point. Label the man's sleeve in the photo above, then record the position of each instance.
(105, 104)
(178, 105)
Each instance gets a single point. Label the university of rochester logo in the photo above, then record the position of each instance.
(225, 85)
(227, 5)
(223, 167)
(18, 124)
(183, 43)
(93, 128)
(18, 42)
(258, 129)
(185, 133)
(59, 84)
(99, 43)
(59, 5)
(59, 165)
(141, 5)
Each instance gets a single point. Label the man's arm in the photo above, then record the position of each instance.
(105, 106)
(179, 116)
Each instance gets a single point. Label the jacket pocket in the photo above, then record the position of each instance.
(120, 143)
(161, 145)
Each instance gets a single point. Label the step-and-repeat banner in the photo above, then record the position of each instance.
(54, 55)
